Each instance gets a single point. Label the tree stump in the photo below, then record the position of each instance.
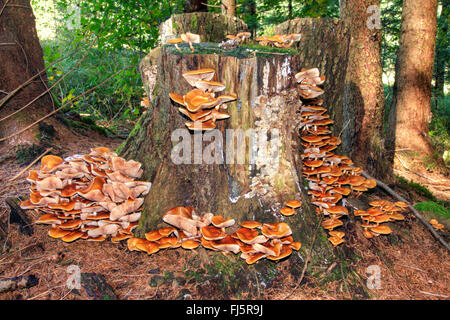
(325, 45)
(268, 104)
(212, 27)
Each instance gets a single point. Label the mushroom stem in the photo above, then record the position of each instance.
(178, 48)
(191, 46)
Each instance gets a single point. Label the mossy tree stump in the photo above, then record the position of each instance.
(267, 100)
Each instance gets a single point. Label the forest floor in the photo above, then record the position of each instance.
(413, 264)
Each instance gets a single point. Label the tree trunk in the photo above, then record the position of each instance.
(212, 27)
(324, 44)
(229, 8)
(195, 6)
(410, 112)
(363, 95)
(441, 59)
(253, 188)
(21, 58)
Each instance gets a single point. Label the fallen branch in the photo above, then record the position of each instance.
(18, 283)
(60, 108)
(414, 211)
(29, 166)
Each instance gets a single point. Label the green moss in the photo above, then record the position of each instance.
(417, 188)
(243, 51)
(430, 206)
(194, 22)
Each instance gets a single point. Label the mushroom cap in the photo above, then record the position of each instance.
(337, 210)
(285, 251)
(433, 221)
(268, 248)
(213, 86)
(190, 37)
(200, 74)
(276, 230)
(119, 237)
(294, 204)
(220, 222)
(190, 244)
(57, 233)
(336, 240)
(167, 242)
(253, 257)
(197, 99)
(401, 204)
(48, 218)
(49, 162)
(251, 224)
(177, 98)
(338, 234)
(227, 244)
(174, 40)
(331, 223)
(296, 245)
(212, 233)
(250, 236)
(397, 216)
(368, 234)
(198, 125)
(72, 236)
(383, 229)
(194, 116)
(287, 211)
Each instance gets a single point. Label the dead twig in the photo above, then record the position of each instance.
(45, 92)
(434, 294)
(414, 211)
(29, 166)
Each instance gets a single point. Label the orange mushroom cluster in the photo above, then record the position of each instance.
(330, 176)
(187, 37)
(290, 207)
(201, 105)
(240, 38)
(91, 197)
(189, 230)
(381, 211)
(436, 225)
(280, 41)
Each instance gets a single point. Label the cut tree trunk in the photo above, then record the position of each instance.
(212, 27)
(253, 190)
(21, 58)
(324, 44)
(364, 96)
(410, 112)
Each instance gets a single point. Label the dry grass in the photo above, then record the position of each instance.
(413, 265)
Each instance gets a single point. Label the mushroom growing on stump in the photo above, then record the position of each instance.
(80, 197)
(190, 38)
(199, 103)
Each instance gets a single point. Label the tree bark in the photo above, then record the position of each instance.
(267, 100)
(229, 8)
(364, 94)
(195, 6)
(21, 58)
(410, 112)
(324, 44)
(212, 27)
